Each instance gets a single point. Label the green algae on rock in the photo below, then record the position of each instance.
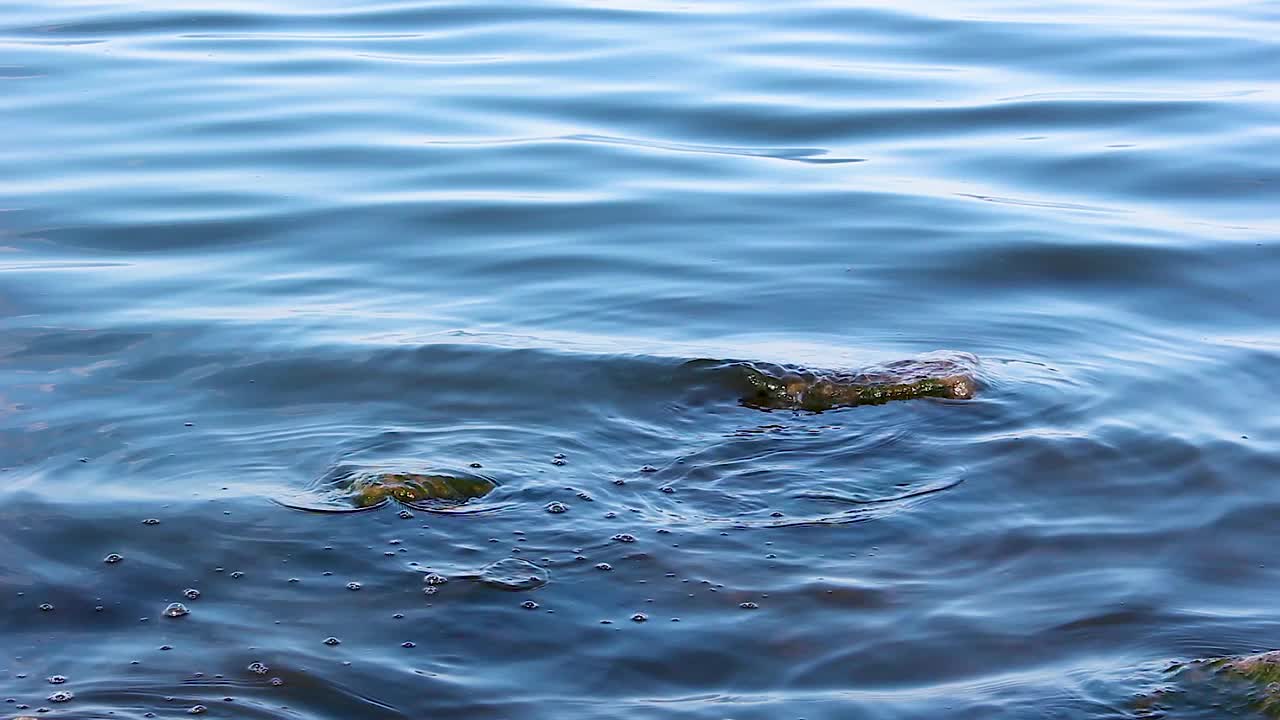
(1237, 683)
(778, 387)
(348, 488)
(1262, 668)
(374, 489)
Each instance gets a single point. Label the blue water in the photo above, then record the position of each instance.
(245, 245)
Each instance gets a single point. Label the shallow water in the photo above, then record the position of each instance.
(244, 244)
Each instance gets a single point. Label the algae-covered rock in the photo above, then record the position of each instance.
(373, 489)
(766, 386)
(1262, 668)
(353, 488)
(1233, 684)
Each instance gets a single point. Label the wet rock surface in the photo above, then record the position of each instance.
(375, 489)
(347, 488)
(1236, 686)
(766, 386)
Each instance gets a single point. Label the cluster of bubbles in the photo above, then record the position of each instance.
(512, 574)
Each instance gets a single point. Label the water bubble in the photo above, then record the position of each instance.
(112, 559)
(57, 680)
(529, 605)
(166, 648)
(610, 515)
(176, 610)
(331, 641)
(559, 456)
(277, 682)
(667, 489)
(197, 710)
(259, 668)
(408, 644)
(405, 515)
(604, 566)
(435, 579)
(237, 575)
(585, 497)
(648, 469)
(558, 461)
(556, 507)
(151, 521)
(476, 465)
(354, 585)
(639, 617)
(430, 590)
(191, 593)
(775, 514)
(748, 605)
(514, 574)
(624, 538)
(619, 481)
(61, 696)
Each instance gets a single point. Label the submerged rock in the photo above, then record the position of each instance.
(373, 489)
(352, 488)
(766, 386)
(1263, 668)
(1237, 683)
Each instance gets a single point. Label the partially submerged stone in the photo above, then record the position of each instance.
(354, 488)
(373, 489)
(766, 386)
(1262, 668)
(1236, 683)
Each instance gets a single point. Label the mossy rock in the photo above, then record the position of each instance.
(374, 489)
(1233, 685)
(771, 387)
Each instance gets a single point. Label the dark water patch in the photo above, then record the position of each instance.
(55, 344)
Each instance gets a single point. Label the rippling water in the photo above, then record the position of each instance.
(246, 245)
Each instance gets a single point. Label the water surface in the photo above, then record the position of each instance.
(245, 244)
